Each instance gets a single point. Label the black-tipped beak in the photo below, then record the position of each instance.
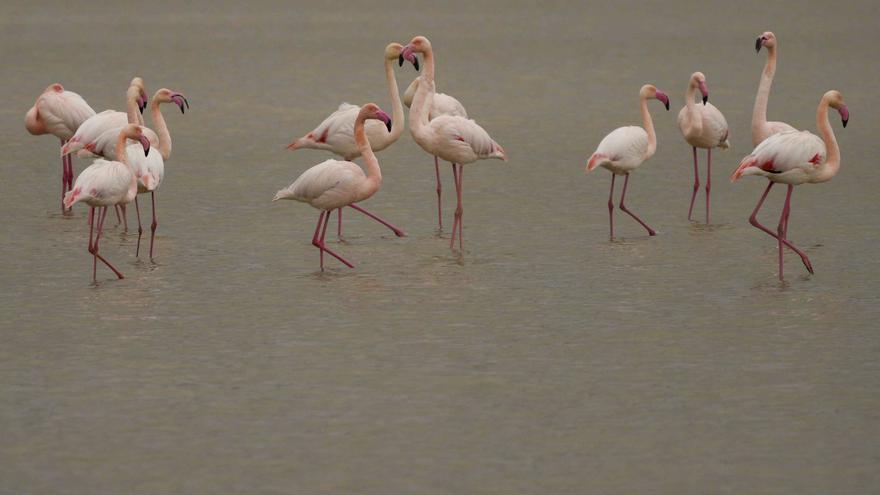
(416, 63)
(666, 104)
(845, 121)
(388, 125)
(142, 109)
(400, 60)
(705, 99)
(758, 44)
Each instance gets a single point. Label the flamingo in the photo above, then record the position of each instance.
(336, 132)
(455, 139)
(703, 126)
(625, 148)
(761, 129)
(105, 183)
(795, 158)
(442, 104)
(60, 113)
(335, 184)
(150, 169)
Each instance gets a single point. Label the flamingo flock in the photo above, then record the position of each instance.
(124, 167)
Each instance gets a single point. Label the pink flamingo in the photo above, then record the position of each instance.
(625, 148)
(703, 126)
(60, 113)
(455, 139)
(442, 104)
(761, 129)
(336, 184)
(150, 169)
(336, 132)
(105, 183)
(794, 158)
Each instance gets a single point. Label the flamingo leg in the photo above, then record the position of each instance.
(611, 207)
(91, 248)
(783, 226)
(137, 210)
(118, 217)
(154, 225)
(753, 219)
(439, 196)
(319, 241)
(708, 182)
(397, 231)
(102, 216)
(339, 223)
(625, 209)
(696, 185)
(64, 178)
(459, 210)
(124, 209)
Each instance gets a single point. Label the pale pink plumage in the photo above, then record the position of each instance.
(58, 112)
(442, 104)
(792, 157)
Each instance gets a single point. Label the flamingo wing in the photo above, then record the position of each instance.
(91, 129)
(63, 112)
(103, 182)
(624, 144)
(105, 144)
(325, 183)
(791, 151)
(463, 140)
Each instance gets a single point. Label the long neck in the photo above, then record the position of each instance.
(161, 129)
(133, 112)
(396, 105)
(648, 124)
(832, 161)
(374, 174)
(692, 117)
(759, 113)
(424, 97)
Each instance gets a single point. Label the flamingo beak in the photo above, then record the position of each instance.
(758, 44)
(146, 144)
(180, 101)
(663, 99)
(705, 91)
(408, 55)
(384, 118)
(141, 105)
(844, 114)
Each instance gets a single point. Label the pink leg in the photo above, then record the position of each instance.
(91, 248)
(319, 241)
(696, 185)
(154, 225)
(708, 182)
(459, 210)
(63, 178)
(623, 208)
(137, 210)
(753, 219)
(124, 210)
(397, 232)
(780, 230)
(611, 207)
(339, 223)
(439, 196)
(101, 218)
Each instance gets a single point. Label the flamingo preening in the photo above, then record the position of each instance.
(625, 148)
(335, 184)
(60, 113)
(794, 158)
(455, 139)
(703, 126)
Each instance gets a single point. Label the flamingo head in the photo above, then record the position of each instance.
(699, 80)
(54, 88)
(138, 83)
(835, 101)
(767, 39)
(372, 111)
(419, 44)
(165, 95)
(394, 51)
(649, 91)
(136, 132)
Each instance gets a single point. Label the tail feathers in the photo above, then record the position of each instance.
(72, 197)
(282, 194)
(70, 147)
(596, 159)
(498, 152)
(725, 141)
(746, 163)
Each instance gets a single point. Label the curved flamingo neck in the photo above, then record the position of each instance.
(132, 110)
(648, 124)
(759, 113)
(374, 174)
(692, 121)
(396, 105)
(421, 104)
(161, 129)
(832, 161)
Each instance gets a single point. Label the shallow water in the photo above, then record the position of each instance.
(544, 359)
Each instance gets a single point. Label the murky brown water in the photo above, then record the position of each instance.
(545, 360)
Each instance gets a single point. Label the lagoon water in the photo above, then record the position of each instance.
(544, 359)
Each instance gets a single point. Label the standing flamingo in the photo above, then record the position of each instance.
(703, 126)
(60, 113)
(105, 183)
(761, 129)
(455, 139)
(625, 148)
(794, 158)
(336, 132)
(442, 104)
(336, 184)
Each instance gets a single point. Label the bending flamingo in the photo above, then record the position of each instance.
(703, 126)
(60, 113)
(442, 104)
(794, 158)
(336, 184)
(336, 132)
(761, 129)
(455, 139)
(106, 183)
(625, 148)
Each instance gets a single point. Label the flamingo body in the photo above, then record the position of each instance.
(622, 150)
(458, 140)
(713, 133)
(442, 104)
(103, 183)
(793, 157)
(336, 134)
(57, 112)
(92, 128)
